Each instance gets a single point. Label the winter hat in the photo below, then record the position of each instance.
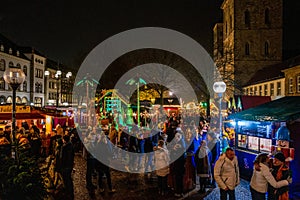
(280, 156)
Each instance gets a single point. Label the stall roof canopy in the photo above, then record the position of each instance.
(283, 109)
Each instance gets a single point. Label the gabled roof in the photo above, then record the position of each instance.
(283, 109)
(7, 43)
(273, 72)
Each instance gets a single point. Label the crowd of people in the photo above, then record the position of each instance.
(177, 152)
(173, 150)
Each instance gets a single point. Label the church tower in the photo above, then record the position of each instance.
(249, 39)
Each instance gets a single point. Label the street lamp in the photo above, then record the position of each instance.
(219, 88)
(14, 76)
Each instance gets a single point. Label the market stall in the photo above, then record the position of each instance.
(270, 127)
(23, 114)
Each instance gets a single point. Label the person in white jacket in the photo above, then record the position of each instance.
(226, 174)
(262, 176)
(162, 160)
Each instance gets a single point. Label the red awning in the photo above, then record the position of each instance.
(253, 101)
(8, 116)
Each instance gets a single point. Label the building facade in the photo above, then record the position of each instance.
(11, 55)
(276, 81)
(292, 81)
(248, 39)
(37, 90)
(273, 88)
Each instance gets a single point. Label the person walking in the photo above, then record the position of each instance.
(262, 176)
(203, 165)
(226, 174)
(67, 163)
(162, 160)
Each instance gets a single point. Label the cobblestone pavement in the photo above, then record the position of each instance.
(137, 187)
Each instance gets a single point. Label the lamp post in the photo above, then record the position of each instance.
(219, 88)
(14, 76)
(57, 76)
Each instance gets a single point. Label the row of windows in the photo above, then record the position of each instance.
(266, 48)
(265, 90)
(247, 20)
(10, 51)
(3, 99)
(38, 61)
(10, 64)
(291, 85)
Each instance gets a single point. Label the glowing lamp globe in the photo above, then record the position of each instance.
(14, 76)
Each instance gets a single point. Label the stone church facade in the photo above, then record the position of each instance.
(248, 39)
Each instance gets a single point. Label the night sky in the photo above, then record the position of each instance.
(66, 31)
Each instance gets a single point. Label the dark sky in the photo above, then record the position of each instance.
(67, 30)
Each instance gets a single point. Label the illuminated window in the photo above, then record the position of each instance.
(266, 90)
(278, 88)
(260, 90)
(272, 89)
(290, 85)
(255, 90)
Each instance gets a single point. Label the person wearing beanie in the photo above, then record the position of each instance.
(262, 177)
(280, 171)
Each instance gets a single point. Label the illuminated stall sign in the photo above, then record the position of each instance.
(19, 109)
(254, 136)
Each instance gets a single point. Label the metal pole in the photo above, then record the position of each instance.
(14, 87)
(57, 93)
(220, 122)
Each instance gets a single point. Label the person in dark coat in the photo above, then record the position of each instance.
(203, 166)
(214, 147)
(67, 163)
(178, 166)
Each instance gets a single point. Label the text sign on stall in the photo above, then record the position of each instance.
(19, 109)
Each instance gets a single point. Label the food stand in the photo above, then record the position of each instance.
(258, 130)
